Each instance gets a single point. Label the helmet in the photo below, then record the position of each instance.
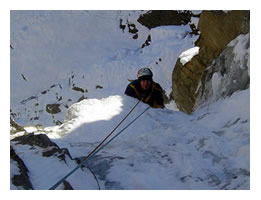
(144, 73)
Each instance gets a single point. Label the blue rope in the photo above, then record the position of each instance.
(94, 153)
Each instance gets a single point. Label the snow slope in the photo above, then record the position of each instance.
(55, 50)
(164, 149)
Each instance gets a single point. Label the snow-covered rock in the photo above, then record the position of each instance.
(217, 30)
(37, 163)
(187, 55)
(228, 73)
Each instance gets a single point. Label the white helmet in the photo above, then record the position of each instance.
(144, 73)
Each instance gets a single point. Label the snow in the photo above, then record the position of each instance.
(240, 44)
(89, 111)
(41, 169)
(103, 109)
(216, 79)
(187, 55)
(195, 20)
(45, 38)
(168, 144)
(69, 50)
(169, 32)
(165, 148)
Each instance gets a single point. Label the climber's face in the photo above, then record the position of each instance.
(145, 84)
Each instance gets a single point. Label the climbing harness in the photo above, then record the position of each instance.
(101, 145)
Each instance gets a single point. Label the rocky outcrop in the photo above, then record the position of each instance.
(53, 108)
(42, 146)
(15, 127)
(227, 73)
(20, 180)
(156, 18)
(42, 141)
(217, 29)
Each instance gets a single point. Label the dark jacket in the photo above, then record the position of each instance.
(153, 96)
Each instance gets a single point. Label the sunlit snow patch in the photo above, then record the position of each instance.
(186, 56)
(87, 111)
(91, 110)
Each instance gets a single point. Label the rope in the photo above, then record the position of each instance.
(100, 145)
(121, 131)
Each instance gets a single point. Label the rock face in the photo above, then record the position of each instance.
(22, 179)
(227, 73)
(42, 146)
(156, 18)
(217, 29)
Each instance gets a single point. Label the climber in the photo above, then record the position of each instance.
(145, 89)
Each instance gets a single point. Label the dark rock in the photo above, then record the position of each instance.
(81, 98)
(52, 86)
(135, 36)
(34, 118)
(132, 28)
(99, 87)
(122, 26)
(40, 140)
(28, 99)
(15, 127)
(156, 18)
(147, 42)
(78, 89)
(67, 185)
(53, 108)
(23, 77)
(58, 122)
(21, 180)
